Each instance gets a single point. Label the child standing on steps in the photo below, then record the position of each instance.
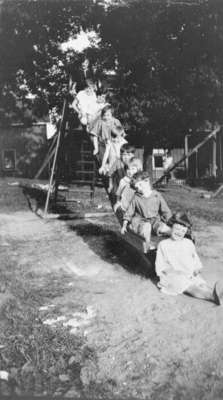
(178, 265)
(148, 212)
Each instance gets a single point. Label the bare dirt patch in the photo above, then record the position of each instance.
(101, 308)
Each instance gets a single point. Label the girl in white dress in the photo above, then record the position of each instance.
(88, 105)
(178, 265)
(112, 150)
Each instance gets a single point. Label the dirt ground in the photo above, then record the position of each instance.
(80, 314)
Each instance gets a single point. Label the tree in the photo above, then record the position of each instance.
(166, 56)
(31, 57)
(169, 66)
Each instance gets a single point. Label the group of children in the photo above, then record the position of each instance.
(139, 207)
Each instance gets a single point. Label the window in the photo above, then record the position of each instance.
(158, 161)
(158, 155)
(9, 160)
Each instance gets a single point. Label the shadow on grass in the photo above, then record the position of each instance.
(35, 198)
(103, 241)
(115, 250)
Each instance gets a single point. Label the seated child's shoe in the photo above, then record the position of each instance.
(148, 247)
(218, 293)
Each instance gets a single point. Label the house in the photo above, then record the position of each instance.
(206, 160)
(22, 149)
(155, 162)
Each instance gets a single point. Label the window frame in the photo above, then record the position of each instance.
(3, 159)
(157, 153)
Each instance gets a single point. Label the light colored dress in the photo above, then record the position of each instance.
(122, 184)
(103, 129)
(176, 264)
(125, 192)
(113, 148)
(87, 102)
(88, 106)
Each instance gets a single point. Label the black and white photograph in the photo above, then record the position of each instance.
(111, 199)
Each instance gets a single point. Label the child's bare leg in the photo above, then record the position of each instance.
(201, 292)
(110, 184)
(145, 231)
(95, 144)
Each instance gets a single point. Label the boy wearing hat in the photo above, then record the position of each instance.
(178, 265)
(147, 212)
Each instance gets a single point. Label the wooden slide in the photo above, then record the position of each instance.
(134, 240)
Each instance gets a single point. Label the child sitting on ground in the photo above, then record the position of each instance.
(125, 192)
(148, 212)
(103, 128)
(178, 265)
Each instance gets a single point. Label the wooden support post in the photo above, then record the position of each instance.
(220, 154)
(46, 162)
(214, 157)
(196, 148)
(60, 133)
(218, 191)
(55, 159)
(48, 157)
(186, 153)
(63, 135)
(196, 165)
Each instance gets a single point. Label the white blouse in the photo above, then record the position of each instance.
(177, 265)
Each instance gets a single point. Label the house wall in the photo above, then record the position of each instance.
(29, 144)
(203, 164)
(156, 173)
(139, 153)
(200, 165)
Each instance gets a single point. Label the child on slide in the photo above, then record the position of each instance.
(112, 150)
(88, 105)
(125, 192)
(103, 128)
(178, 265)
(118, 168)
(148, 212)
